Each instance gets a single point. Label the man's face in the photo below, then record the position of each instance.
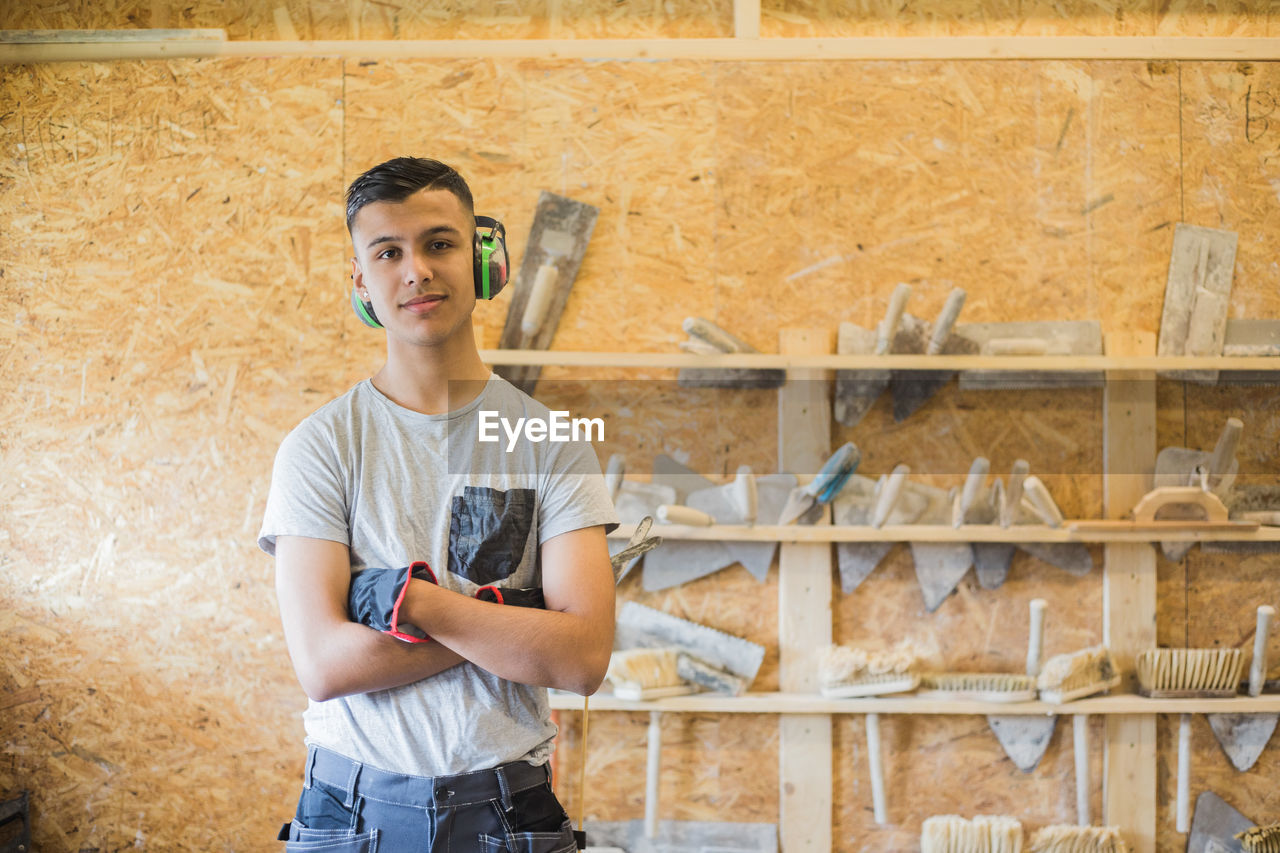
(414, 262)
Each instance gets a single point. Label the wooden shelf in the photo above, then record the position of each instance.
(940, 533)
(1047, 363)
(105, 45)
(795, 703)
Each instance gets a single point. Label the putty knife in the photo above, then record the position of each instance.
(939, 565)
(871, 502)
(825, 485)
(1215, 826)
(1025, 738)
(857, 390)
(1072, 557)
(1244, 736)
(913, 388)
(991, 560)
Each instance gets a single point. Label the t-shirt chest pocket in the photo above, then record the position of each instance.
(488, 529)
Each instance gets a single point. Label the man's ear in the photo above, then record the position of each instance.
(357, 277)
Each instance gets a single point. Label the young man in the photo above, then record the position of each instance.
(437, 745)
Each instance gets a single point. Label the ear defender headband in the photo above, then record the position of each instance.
(490, 268)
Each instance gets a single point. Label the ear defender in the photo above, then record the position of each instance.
(364, 310)
(492, 266)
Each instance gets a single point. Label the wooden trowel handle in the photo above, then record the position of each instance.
(892, 317)
(973, 483)
(890, 491)
(947, 319)
(1013, 497)
(1224, 452)
(1258, 669)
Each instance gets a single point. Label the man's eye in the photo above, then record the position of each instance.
(440, 245)
(389, 253)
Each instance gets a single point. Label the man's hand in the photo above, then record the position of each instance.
(376, 596)
(332, 655)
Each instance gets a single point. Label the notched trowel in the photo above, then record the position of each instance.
(553, 255)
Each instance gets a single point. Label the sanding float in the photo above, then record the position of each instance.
(1198, 288)
(1013, 339)
(553, 255)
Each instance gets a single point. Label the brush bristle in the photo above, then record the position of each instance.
(1073, 671)
(842, 665)
(977, 682)
(983, 834)
(1064, 838)
(1190, 669)
(1261, 839)
(644, 669)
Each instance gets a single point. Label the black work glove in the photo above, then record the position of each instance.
(530, 597)
(375, 598)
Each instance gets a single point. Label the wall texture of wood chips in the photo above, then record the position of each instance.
(173, 270)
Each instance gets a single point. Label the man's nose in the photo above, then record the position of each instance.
(419, 269)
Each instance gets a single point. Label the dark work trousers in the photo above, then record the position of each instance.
(349, 807)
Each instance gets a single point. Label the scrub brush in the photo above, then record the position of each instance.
(638, 674)
(846, 671)
(1261, 839)
(1063, 838)
(983, 834)
(1076, 675)
(981, 686)
(1189, 673)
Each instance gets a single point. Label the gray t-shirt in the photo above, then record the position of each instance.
(398, 486)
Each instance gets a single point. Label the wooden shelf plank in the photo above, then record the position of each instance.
(803, 703)
(877, 48)
(943, 533)
(1055, 363)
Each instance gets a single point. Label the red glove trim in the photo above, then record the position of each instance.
(497, 593)
(394, 630)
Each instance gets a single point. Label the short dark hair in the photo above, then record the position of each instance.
(397, 179)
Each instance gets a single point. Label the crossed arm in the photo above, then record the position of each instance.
(565, 646)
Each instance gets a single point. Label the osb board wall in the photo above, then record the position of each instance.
(176, 281)
(381, 19)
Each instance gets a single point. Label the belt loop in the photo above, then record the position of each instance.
(352, 781)
(307, 768)
(504, 789)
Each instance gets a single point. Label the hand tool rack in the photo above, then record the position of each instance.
(1129, 571)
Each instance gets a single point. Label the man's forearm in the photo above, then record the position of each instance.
(547, 648)
(351, 658)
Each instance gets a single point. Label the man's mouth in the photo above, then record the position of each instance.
(422, 304)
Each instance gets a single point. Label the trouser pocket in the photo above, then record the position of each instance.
(531, 842)
(326, 841)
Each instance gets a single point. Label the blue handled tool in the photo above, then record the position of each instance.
(828, 482)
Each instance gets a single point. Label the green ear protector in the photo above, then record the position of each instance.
(491, 268)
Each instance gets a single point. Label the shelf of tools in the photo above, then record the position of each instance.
(1129, 572)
